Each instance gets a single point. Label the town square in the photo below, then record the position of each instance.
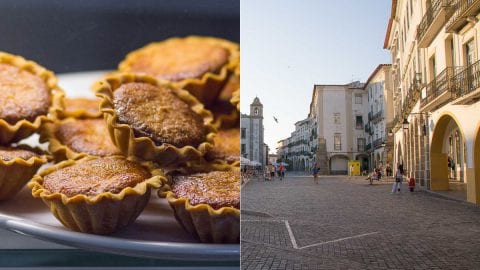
(381, 161)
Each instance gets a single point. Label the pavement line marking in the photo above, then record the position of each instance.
(290, 233)
(294, 241)
(338, 240)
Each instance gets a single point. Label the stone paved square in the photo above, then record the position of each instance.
(344, 223)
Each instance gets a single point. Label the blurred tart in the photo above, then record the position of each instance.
(28, 94)
(207, 204)
(200, 65)
(81, 108)
(18, 165)
(154, 120)
(96, 195)
(75, 138)
(226, 146)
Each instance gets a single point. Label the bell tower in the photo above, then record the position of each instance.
(256, 108)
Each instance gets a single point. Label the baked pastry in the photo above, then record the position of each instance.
(200, 65)
(207, 204)
(28, 94)
(96, 195)
(227, 147)
(81, 108)
(225, 108)
(154, 120)
(18, 165)
(73, 138)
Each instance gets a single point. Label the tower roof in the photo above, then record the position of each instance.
(256, 101)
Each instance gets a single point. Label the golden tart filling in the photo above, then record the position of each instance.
(82, 107)
(23, 95)
(217, 189)
(86, 136)
(10, 153)
(180, 59)
(93, 177)
(156, 112)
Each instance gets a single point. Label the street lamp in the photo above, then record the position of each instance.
(405, 123)
(418, 77)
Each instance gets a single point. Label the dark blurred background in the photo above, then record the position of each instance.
(69, 36)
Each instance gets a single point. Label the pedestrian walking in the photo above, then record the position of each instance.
(411, 184)
(352, 170)
(281, 171)
(271, 169)
(397, 185)
(315, 175)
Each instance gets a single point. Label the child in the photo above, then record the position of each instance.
(411, 184)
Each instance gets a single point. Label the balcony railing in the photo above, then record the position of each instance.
(432, 21)
(368, 146)
(412, 97)
(378, 116)
(462, 10)
(442, 83)
(466, 81)
(377, 142)
(368, 129)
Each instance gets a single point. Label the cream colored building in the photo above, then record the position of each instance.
(340, 113)
(436, 81)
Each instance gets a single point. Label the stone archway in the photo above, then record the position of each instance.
(476, 165)
(440, 173)
(399, 159)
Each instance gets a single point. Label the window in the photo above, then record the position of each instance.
(244, 133)
(244, 150)
(470, 52)
(361, 144)
(358, 122)
(358, 98)
(336, 118)
(433, 67)
(337, 141)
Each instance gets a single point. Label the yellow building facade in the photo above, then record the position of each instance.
(436, 76)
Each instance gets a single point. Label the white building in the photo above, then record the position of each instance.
(301, 153)
(436, 77)
(380, 116)
(251, 133)
(340, 113)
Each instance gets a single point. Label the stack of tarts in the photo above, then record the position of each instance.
(168, 119)
(29, 96)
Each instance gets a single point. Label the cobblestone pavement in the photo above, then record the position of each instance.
(344, 223)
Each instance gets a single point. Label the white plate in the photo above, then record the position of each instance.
(155, 234)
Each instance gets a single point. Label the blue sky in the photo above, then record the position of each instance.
(288, 46)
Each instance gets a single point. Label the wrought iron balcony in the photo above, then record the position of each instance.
(367, 128)
(412, 97)
(377, 142)
(368, 146)
(462, 10)
(466, 84)
(378, 116)
(432, 21)
(439, 90)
